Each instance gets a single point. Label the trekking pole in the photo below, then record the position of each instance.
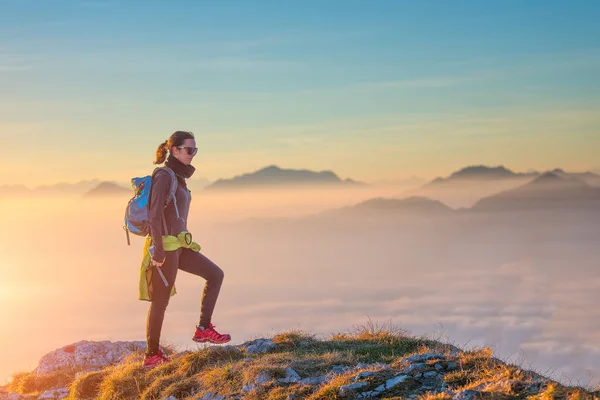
(162, 275)
(151, 251)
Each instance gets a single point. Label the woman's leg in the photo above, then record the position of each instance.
(160, 299)
(196, 263)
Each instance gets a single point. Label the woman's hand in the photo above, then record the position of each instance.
(156, 263)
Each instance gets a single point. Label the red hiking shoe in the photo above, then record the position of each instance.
(210, 335)
(155, 360)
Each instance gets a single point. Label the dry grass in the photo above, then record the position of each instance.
(556, 392)
(225, 371)
(225, 380)
(332, 388)
(87, 386)
(31, 383)
(438, 396)
(291, 340)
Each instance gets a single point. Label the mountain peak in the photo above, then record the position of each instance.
(483, 171)
(273, 175)
(270, 169)
(557, 176)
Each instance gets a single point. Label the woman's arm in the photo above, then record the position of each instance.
(158, 197)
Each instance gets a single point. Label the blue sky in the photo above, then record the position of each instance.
(369, 89)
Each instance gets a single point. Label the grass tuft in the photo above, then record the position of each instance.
(87, 386)
(32, 383)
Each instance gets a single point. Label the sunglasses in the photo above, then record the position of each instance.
(191, 150)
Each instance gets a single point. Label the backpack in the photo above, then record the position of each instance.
(137, 210)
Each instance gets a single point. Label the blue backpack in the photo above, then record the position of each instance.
(137, 210)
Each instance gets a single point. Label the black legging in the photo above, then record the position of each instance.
(194, 263)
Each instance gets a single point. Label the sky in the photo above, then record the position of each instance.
(370, 90)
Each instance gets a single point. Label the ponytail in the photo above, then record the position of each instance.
(161, 152)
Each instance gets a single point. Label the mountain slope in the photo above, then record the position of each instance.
(549, 190)
(415, 205)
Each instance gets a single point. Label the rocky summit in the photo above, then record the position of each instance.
(366, 363)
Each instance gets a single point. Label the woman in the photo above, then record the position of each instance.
(181, 147)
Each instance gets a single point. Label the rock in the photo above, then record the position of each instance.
(390, 383)
(211, 396)
(347, 389)
(414, 368)
(263, 378)
(54, 394)
(170, 398)
(466, 395)
(430, 374)
(451, 366)
(249, 387)
(291, 376)
(339, 369)
(86, 355)
(439, 367)
(364, 374)
(316, 380)
(259, 346)
(425, 357)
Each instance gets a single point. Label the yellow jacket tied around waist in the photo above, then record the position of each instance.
(170, 243)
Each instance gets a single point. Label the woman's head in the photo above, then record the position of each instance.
(181, 145)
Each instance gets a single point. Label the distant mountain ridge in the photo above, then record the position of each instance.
(105, 189)
(49, 190)
(550, 190)
(274, 175)
(483, 172)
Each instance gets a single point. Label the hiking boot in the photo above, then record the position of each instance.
(155, 360)
(210, 335)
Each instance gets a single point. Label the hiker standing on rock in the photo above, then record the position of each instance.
(171, 249)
